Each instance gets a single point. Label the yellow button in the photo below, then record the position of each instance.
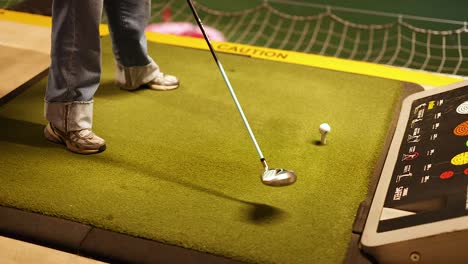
(460, 159)
(431, 105)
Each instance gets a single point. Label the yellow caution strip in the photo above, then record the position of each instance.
(25, 18)
(332, 63)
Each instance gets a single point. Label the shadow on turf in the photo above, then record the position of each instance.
(108, 88)
(31, 134)
(256, 213)
(262, 213)
(23, 132)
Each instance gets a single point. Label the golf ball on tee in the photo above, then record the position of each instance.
(324, 129)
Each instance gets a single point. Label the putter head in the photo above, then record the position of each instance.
(278, 177)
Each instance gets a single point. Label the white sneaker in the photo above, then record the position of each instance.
(164, 82)
(82, 141)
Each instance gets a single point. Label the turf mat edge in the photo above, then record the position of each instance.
(140, 175)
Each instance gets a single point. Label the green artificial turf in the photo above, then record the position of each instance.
(180, 167)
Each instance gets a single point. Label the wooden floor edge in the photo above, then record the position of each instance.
(319, 61)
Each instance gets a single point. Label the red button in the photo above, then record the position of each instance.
(461, 129)
(466, 171)
(446, 175)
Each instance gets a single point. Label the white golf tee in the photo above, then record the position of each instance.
(324, 129)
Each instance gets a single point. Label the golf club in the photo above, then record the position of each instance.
(271, 177)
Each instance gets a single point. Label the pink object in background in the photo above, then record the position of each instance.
(182, 28)
(185, 29)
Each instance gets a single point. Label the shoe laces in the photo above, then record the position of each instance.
(159, 75)
(86, 133)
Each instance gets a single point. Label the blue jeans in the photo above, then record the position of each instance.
(75, 70)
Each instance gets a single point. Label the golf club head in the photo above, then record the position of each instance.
(278, 177)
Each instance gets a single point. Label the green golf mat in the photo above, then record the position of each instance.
(180, 167)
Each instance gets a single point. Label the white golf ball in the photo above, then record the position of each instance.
(325, 128)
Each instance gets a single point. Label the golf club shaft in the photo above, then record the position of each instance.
(228, 83)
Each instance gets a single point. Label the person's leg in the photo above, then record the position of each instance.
(127, 22)
(74, 74)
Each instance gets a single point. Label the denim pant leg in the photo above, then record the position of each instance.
(127, 22)
(75, 69)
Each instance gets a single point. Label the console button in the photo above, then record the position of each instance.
(461, 129)
(463, 108)
(446, 175)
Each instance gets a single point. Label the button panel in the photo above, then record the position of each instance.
(429, 177)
